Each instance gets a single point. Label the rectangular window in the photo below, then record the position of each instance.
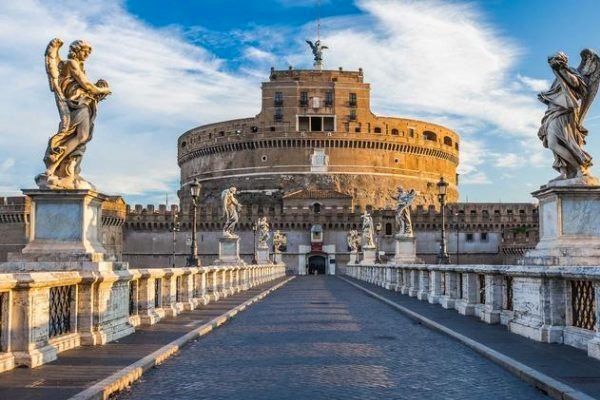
(469, 237)
(316, 124)
(352, 115)
(303, 123)
(411, 132)
(352, 100)
(328, 99)
(278, 114)
(278, 99)
(484, 236)
(303, 99)
(328, 124)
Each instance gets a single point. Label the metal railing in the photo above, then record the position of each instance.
(61, 299)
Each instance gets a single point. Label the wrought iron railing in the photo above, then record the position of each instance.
(61, 298)
(178, 289)
(508, 286)
(443, 283)
(481, 278)
(133, 298)
(583, 304)
(157, 292)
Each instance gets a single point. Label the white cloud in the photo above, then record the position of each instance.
(162, 87)
(536, 85)
(434, 60)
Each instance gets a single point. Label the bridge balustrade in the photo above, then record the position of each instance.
(45, 313)
(547, 304)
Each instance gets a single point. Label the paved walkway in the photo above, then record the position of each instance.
(80, 368)
(566, 364)
(321, 338)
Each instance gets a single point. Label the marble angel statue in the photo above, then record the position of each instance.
(403, 219)
(231, 208)
(263, 232)
(568, 100)
(367, 229)
(77, 102)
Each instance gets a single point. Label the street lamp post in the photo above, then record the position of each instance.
(174, 229)
(377, 231)
(457, 215)
(254, 229)
(192, 260)
(443, 255)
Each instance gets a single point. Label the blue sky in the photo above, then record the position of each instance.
(473, 66)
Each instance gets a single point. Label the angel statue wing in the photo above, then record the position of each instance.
(52, 61)
(590, 69)
(312, 46)
(224, 202)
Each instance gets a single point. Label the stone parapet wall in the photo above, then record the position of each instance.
(547, 304)
(45, 313)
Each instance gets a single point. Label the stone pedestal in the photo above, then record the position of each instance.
(569, 226)
(369, 255)
(64, 234)
(277, 258)
(262, 255)
(64, 226)
(353, 258)
(229, 251)
(406, 250)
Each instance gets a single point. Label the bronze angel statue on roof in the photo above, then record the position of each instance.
(568, 101)
(77, 100)
(317, 50)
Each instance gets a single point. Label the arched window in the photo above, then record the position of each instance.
(388, 229)
(395, 132)
(378, 130)
(428, 135)
(447, 140)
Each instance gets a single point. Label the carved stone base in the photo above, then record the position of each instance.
(262, 255)
(277, 258)
(569, 226)
(353, 258)
(406, 250)
(369, 255)
(229, 251)
(64, 226)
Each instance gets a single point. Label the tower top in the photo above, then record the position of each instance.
(316, 47)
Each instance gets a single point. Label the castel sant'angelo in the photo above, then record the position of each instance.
(312, 161)
(316, 132)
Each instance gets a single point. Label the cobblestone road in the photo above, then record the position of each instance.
(320, 338)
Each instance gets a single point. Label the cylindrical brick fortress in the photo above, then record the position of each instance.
(316, 131)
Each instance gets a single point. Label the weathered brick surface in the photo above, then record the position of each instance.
(320, 338)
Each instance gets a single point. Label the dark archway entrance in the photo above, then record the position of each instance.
(318, 264)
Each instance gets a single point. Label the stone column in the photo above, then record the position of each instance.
(169, 288)
(470, 299)
(201, 287)
(436, 290)
(405, 281)
(414, 283)
(453, 287)
(149, 314)
(423, 292)
(494, 290)
(29, 333)
(106, 317)
(399, 279)
(187, 289)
